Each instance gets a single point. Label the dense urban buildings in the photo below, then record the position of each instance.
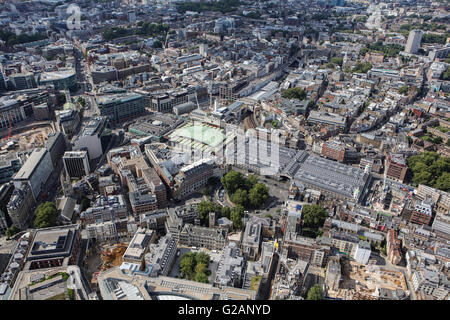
(221, 150)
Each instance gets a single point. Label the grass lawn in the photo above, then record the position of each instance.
(61, 296)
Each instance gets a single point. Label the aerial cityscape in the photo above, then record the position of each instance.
(224, 150)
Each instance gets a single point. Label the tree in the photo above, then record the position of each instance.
(206, 191)
(226, 211)
(157, 44)
(46, 215)
(294, 93)
(232, 181)
(85, 203)
(362, 67)
(236, 216)
(315, 293)
(313, 216)
(205, 207)
(187, 265)
(201, 277)
(431, 169)
(200, 268)
(409, 139)
(337, 61)
(12, 231)
(403, 90)
(240, 197)
(202, 258)
(258, 195)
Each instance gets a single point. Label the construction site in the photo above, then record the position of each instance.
(27, 140)
(111, 255)
(364, 281)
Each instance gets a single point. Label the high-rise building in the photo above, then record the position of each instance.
(76, 163)
(35, 171)
(413, 43)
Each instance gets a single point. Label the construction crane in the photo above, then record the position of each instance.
(10, 127)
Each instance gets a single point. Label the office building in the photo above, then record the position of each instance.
(395, 167)
(60, 80)
(139, 246)
(252, 238)
(68, 121)
(54, 246)
(55, 145)
(105, 209)
(20, 205)
(363, 252)
(76, 163)
(10, 163)
(22, 81)
(422, 213)
(121, 107)
(161, 256)
(231, 267)
(35, 171)
(90, 137)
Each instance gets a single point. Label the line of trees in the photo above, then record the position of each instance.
(11, 38)
(223, 6)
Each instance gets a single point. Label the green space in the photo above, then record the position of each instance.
(223, 6)
(431, 138)
(294, 93)
(446, 74)
(313, 218)
(315, 293)
(245, 191)
(254, 282)
(144, 29)
(389, 50)
(11, 231)
(194, 266)
(45, 215)
(430, 169)
(61, 296)
(11, 38)
(362, 67)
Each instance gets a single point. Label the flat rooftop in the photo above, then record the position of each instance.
(31, 164)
